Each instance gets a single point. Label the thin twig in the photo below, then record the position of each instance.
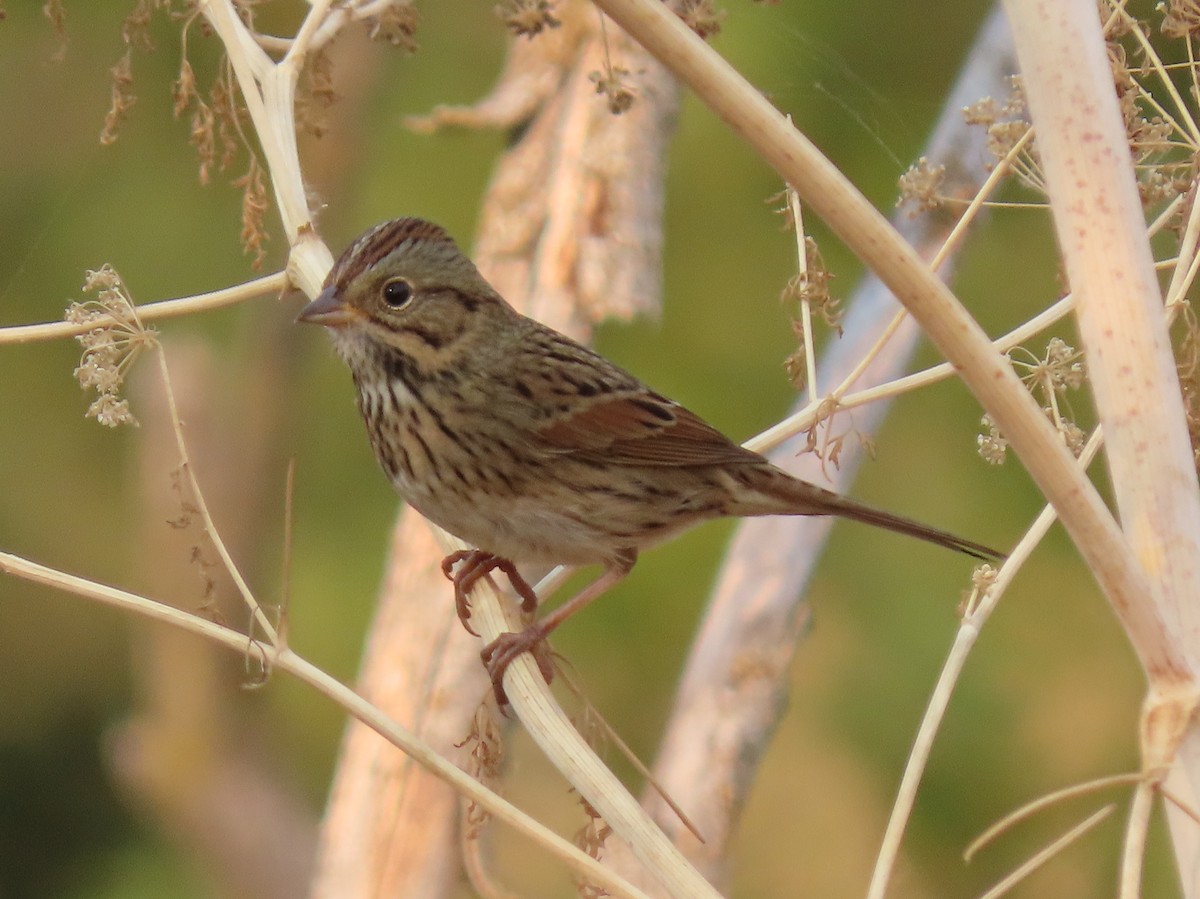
(1030, 809)
(810, 350)
(1047, 853)
(210, 528)
(1136, 830)
(201, 302)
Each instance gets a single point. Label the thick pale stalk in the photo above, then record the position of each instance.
(1099, 220)
(270, 91)
(1100, 225)
(563, 746)
(957, 335)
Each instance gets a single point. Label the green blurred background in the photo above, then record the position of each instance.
(1050, 697)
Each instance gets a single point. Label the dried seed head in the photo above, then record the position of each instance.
(612, 83)
(123, 98)
(255, 203)
(110, 347)
(921, 185)
(527, 18)
(396, 25)
(992, 446)
(1182, 19)
(702, 16)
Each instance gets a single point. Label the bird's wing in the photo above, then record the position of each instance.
(642, 429)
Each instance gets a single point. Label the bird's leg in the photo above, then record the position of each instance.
(501, 652)
(477, 564)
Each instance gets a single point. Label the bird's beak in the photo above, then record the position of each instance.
(328, 310)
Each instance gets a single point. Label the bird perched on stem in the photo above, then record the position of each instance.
(527, 445)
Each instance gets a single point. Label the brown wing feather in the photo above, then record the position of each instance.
(645, 429)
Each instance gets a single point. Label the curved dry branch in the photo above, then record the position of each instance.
(956, 334)
(723, 718)
(289, 661)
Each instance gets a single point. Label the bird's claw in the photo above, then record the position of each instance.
(477, 564)
(506, 648)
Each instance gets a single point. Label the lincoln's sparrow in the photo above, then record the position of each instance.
(526, 444)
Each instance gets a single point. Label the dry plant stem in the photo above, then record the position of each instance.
(1031, 809)
(723, 718)
(1047, 853)
(1182, 821)
(286, 660)
(1136, 829)
(939, 701)
(568, 751)
(269, 90)
(1089, 175)
(259, 618)
(217, 299)
(810, 355)
(945, 321)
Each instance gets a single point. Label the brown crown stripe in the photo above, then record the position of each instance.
(378, 243)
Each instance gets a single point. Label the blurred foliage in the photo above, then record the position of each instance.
(1051, 696)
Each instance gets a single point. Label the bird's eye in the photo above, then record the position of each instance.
(397, 292)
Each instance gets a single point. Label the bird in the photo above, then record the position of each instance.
(527, 445)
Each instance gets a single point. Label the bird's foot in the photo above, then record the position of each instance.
(506, 648)
(477, 564)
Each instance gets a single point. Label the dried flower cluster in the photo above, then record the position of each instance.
(1049, 378)
(528, 18)
(110, 347)
(315, 95)
(921, 185)
(827, 445)
(217, 114)
(1163, 160)
(614, 84)
(486, 749)
(1007, 126)
(811, 287)
(993, 447)
(395, 25)
(702, 16)
(1163, 149)
(983, 578)
(591, 839)
(1181, 19)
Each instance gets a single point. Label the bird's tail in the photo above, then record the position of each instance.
(792, 496)
(856, 511)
